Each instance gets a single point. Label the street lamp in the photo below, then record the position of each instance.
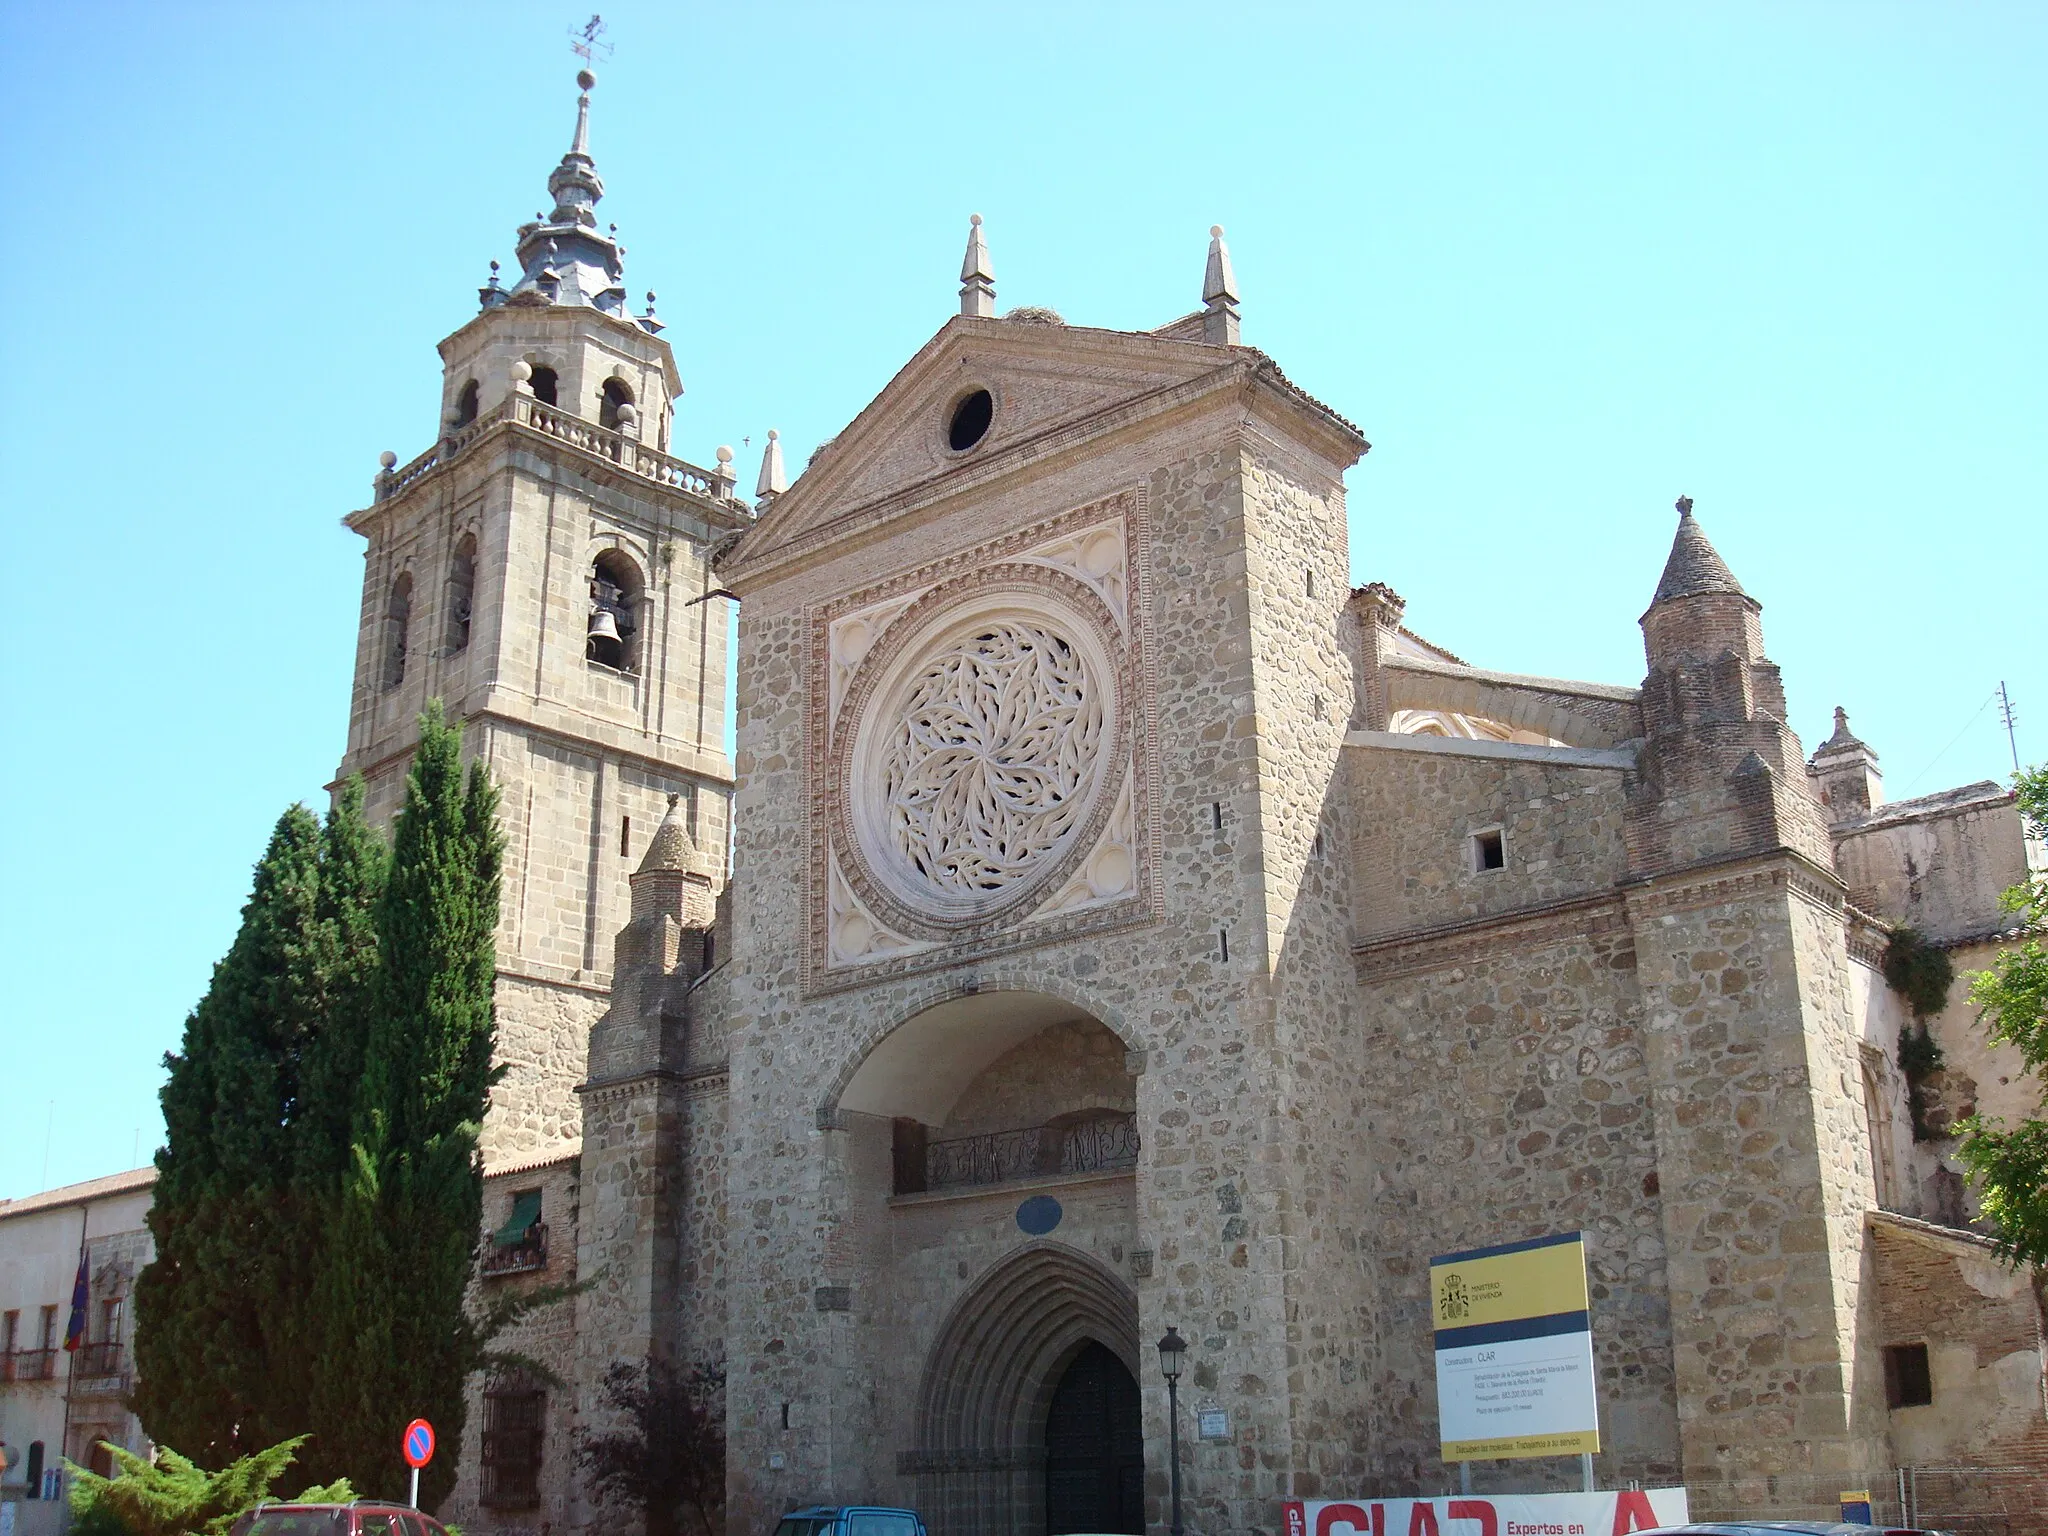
(1172, 1350)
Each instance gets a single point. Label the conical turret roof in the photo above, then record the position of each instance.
(672, 848)
(1695, 568)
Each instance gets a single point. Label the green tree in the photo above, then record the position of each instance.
(207, 1306)
(255, 1147)
(2009, 1163)
(399, 1343)
(173, 1497)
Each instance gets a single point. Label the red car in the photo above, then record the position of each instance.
(365, 1517)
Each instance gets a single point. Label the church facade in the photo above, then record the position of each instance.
(1115, 920)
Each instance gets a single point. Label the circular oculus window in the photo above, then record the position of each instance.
(974, 772)
(969, 422)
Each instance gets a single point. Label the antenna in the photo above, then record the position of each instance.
(588, 44)
(2010, 715)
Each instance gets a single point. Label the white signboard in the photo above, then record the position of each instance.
(1525, 1390)
(1514, 1350)
(1472, 1514)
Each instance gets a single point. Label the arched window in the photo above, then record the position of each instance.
(397, 621)
(543, 384)
(610, 398)
(614, 613)
(1877, 1120)
(461, 591)
(465, 405)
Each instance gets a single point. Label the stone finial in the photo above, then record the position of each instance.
(1843, 737)
(1694, 567)
(723, 475)
(672, 850)
(774, 481)
(1219, 293)
(977, 276)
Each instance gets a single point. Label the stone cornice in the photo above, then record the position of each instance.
(1709, 885)
(1450, 944)
(597, 736)
(694, 1083)
(1618, 759)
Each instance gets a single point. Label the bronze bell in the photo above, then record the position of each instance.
(602, 625)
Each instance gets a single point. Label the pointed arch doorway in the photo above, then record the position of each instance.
(1029, 1408)
(1095, 1449)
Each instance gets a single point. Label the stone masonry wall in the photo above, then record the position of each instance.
(1417, 812)
(1307, 1200)
(1760, 1150)
(549, 1336)
(1512, 1100)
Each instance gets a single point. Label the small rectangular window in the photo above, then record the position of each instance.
(1311, 583)
(1489, 851)
(49, 1329)
(1216, 813)
(625, 836)
(1907, 1380)
(1223, 943)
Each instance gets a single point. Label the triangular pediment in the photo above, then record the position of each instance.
(1049, 382)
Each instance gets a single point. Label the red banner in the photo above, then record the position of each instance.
(1470, 1514)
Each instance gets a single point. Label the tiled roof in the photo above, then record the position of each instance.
(78, 1194)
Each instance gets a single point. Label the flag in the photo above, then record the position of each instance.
(74, 1331)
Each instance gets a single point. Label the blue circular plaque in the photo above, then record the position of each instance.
(1039, 1215)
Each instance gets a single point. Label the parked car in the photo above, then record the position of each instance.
(836, 1520)
(365, 1517)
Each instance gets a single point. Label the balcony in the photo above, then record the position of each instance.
(521, 1256)
(1073, 1144)
(98, 1360)
(28, 1365)
(522, 410)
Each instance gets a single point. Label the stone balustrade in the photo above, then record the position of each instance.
(566, 427)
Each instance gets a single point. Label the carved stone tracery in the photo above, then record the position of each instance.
(993, 758)
(979, 751)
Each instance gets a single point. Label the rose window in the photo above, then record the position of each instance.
(992, 758)
(983, 726)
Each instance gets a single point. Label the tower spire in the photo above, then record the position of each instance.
(1219, 292)
(977, 277)
(564, 257)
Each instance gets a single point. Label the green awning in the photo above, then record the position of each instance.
(525, 1212)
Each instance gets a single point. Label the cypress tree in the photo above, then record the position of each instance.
(245, 1194)
(206, 1306)
(400, 1343)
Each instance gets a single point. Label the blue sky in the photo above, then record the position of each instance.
(1560, 262)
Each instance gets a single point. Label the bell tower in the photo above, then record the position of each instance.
(543, 568)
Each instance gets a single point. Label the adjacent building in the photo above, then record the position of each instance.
(57, 1403)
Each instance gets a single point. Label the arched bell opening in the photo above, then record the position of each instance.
(1035, 1363)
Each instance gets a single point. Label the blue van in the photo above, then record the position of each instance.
(850, 1520)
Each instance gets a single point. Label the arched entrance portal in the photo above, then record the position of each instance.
(1011, 1377)
(1095, 1449)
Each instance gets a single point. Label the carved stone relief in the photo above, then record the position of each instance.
(982, 726)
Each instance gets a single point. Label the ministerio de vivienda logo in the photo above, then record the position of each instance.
(1452, 1300)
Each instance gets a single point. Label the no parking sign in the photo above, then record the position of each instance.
(418, 1446)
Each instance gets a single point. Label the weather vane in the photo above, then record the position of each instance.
(589, 44)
